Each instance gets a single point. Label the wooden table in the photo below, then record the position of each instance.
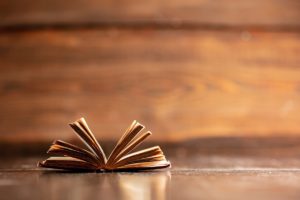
(192, 177)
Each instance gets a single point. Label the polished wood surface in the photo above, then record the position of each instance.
(205, 177)
(211, 168)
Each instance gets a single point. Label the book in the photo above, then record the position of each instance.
(67, 156)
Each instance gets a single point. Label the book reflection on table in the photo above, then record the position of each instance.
(144, 186)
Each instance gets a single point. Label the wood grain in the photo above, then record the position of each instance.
(178, 12)
(181, 84)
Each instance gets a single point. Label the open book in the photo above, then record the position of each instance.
(70, 157)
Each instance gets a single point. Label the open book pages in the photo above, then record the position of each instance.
(71, 157)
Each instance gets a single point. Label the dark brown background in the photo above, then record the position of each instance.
(185, 69)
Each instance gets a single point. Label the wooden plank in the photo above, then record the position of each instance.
(182, 84)
(178, 12)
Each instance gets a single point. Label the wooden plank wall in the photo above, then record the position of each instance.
(186, 69)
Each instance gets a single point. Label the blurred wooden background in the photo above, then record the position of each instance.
(185, 69)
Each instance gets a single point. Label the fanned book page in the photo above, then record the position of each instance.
(71, 157)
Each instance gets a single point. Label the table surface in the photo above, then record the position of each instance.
(194, 177)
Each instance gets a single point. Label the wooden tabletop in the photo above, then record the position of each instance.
(192, 177)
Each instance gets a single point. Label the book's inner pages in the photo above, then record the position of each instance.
(151, 154)
(127, 137)
(61, 148)
(132, 145)
(67, 163)
(100, 151)
(147, 159)
(121, 158)
(84, 133)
